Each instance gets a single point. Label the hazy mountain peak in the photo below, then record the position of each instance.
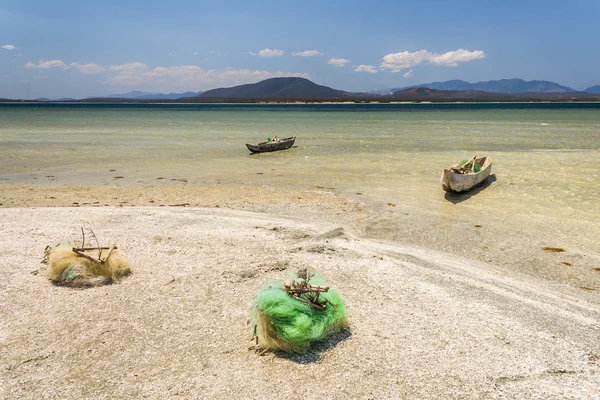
(594, 89)
(513, 86)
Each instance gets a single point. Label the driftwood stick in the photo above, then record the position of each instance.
(470, 160)
(304, 290)
(308, 288)
(97, 244)
(463, 169)
(92, 248)
(262, 353)
(84, 255)
(310, 303)
(110, 250)
(473, 163)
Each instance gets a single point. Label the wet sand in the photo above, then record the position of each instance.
(431, 316)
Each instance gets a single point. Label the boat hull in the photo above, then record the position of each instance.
(263, 147)
(456, 183)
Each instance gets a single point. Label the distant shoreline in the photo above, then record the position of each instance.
(322, 106)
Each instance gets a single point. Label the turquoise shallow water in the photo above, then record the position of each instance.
(543, 190)
(336, 147)
(82, 142)
(390, 150)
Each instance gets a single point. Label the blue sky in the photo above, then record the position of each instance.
(81, 48)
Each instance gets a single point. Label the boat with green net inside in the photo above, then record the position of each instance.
(466, 175)
(272, 145)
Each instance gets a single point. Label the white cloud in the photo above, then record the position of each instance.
(177, 71)
(90, 68)
(452, 58)
(129, 67)
(338, 62)
(195, 53)
(239, 76)
(307, 53)
(195, 74)
(395, 62)
(366, 68)
(408, 74)
(129, 74)
(268, 53)
(171, 78)
(9, 47)
(126, 79)
(47, 64)
(191, 77)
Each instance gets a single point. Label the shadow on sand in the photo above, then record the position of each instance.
(267, 152)
(314, 353)
(456, 198)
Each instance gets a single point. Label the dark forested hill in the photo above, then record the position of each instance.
(276, 88)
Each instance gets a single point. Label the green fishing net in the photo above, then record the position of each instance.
(467, 165)
(285, 323)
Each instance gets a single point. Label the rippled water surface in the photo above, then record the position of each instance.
(555, 150)
(82, 144)
(553, 153)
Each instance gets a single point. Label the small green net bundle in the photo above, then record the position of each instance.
(468, 164)
(284, 320)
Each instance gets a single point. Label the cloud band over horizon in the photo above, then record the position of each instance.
(186, 76)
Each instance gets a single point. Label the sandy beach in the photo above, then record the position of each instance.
(424, 323)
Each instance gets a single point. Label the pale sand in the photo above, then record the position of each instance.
(424, 323)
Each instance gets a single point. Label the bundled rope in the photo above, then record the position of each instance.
(73, 264)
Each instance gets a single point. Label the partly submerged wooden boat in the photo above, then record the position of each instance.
(274, 145)
(460, 178)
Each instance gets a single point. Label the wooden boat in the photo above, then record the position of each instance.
(274, 145)
(462, 178)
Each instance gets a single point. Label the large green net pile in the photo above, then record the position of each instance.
(284, 323)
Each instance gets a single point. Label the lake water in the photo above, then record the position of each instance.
(334, 144)
(543, 191)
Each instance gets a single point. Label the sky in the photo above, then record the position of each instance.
(83, 48)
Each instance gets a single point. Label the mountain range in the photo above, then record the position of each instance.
(136, 94)
(424, 93)
(301, 89)
(500, 86)
(512, 86)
